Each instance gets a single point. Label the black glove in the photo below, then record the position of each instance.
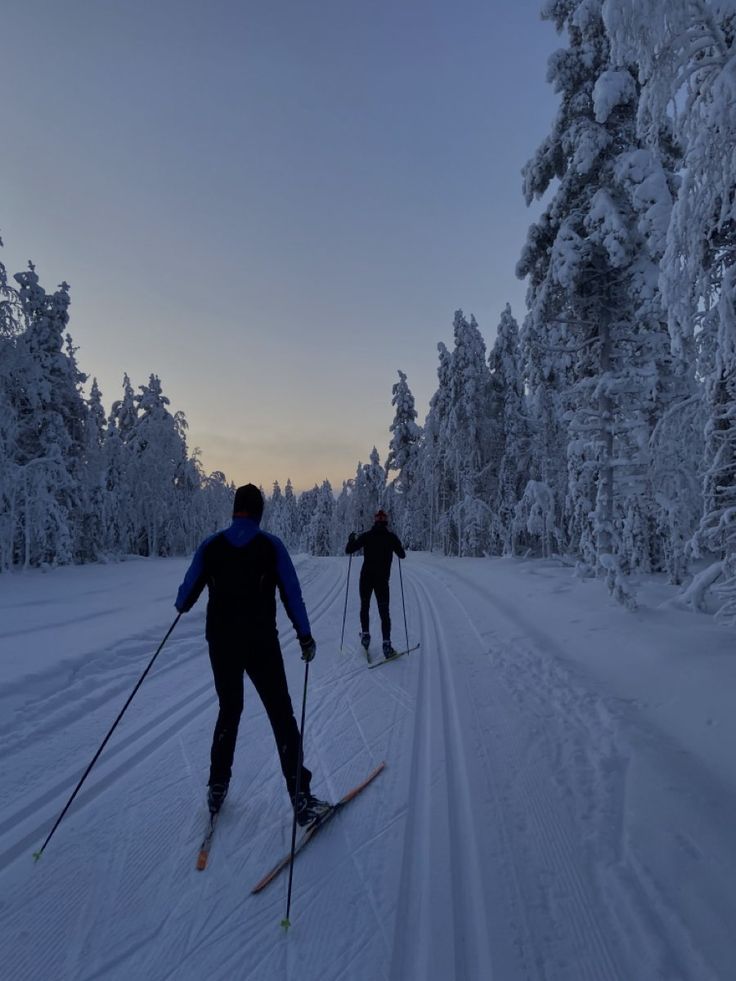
(352, 536)
(309, 648)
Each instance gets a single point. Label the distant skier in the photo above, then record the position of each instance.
(242, 566)
(379, 546)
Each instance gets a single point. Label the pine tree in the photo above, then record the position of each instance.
(50, 427)
(15, 380)
(511, 438)
(403, 457)
(160, 455)
(469, 472)
(592, 273)
(319, 529)
(433, 463)
(290, 517)
(684, 50)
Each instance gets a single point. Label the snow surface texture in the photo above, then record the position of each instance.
(557, 803)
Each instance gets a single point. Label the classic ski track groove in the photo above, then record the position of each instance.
(554, 831)
(423, 944)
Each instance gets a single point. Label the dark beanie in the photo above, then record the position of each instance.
(248, 500)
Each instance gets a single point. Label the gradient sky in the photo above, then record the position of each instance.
(273, 205)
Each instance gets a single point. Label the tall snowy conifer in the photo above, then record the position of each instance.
(319, 529)
(15, 377)
(159, 446)
(685, 51)
(436, 492)
(51, 425)
(511, 441)
(403, 457)
(469, 475)
(592, 274)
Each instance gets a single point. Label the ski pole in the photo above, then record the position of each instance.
(403, 606)
(40, 851)
(345, 611)
(286, 923)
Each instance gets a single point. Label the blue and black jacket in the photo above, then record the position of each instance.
(242, 567)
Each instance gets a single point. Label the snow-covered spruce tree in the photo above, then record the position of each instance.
(471, 452)
(290, 517)
(547, 377)
(217, 493)
(160, 455)
(15, 376)
(403, 457)
(50, 427)
(432, 503)
(457, 471)
(92, 528)
(273, 512)
(511, 442)
(306, 506)
(120, 499)
(319, 529)
(592, 274)
(342, 518)
(685, 52)
(368, 492)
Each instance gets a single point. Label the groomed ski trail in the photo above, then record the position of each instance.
(505, 840)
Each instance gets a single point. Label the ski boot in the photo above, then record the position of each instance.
(365, 639)
(216, 794)
(310, 809)
(388, 650)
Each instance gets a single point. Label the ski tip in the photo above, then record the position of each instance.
(202, 861)
(285, 924)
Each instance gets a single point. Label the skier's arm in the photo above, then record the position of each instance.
(355, 543)
(194, 581)
(290, 590)
(398, 547)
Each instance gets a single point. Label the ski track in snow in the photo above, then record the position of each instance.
(529, 826)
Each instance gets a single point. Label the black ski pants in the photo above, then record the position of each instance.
(264, 665)
(368, 585)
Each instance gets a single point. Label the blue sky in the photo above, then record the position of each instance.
(273, 206)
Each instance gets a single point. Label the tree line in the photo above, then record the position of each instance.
(78, 484)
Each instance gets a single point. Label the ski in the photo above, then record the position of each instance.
(387, 660)
(204, 848)
(312, 829)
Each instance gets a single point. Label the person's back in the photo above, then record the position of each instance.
(242, 582)
(379, 546)
(241, 567)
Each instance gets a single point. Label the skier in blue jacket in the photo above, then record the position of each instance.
(242, 567)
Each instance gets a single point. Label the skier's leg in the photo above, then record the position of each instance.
(227, 669)
(265, 668)
(365, 588)
(382, 598)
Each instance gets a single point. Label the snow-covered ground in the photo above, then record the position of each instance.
(558, 800)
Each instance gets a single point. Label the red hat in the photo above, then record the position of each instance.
(381, 516)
